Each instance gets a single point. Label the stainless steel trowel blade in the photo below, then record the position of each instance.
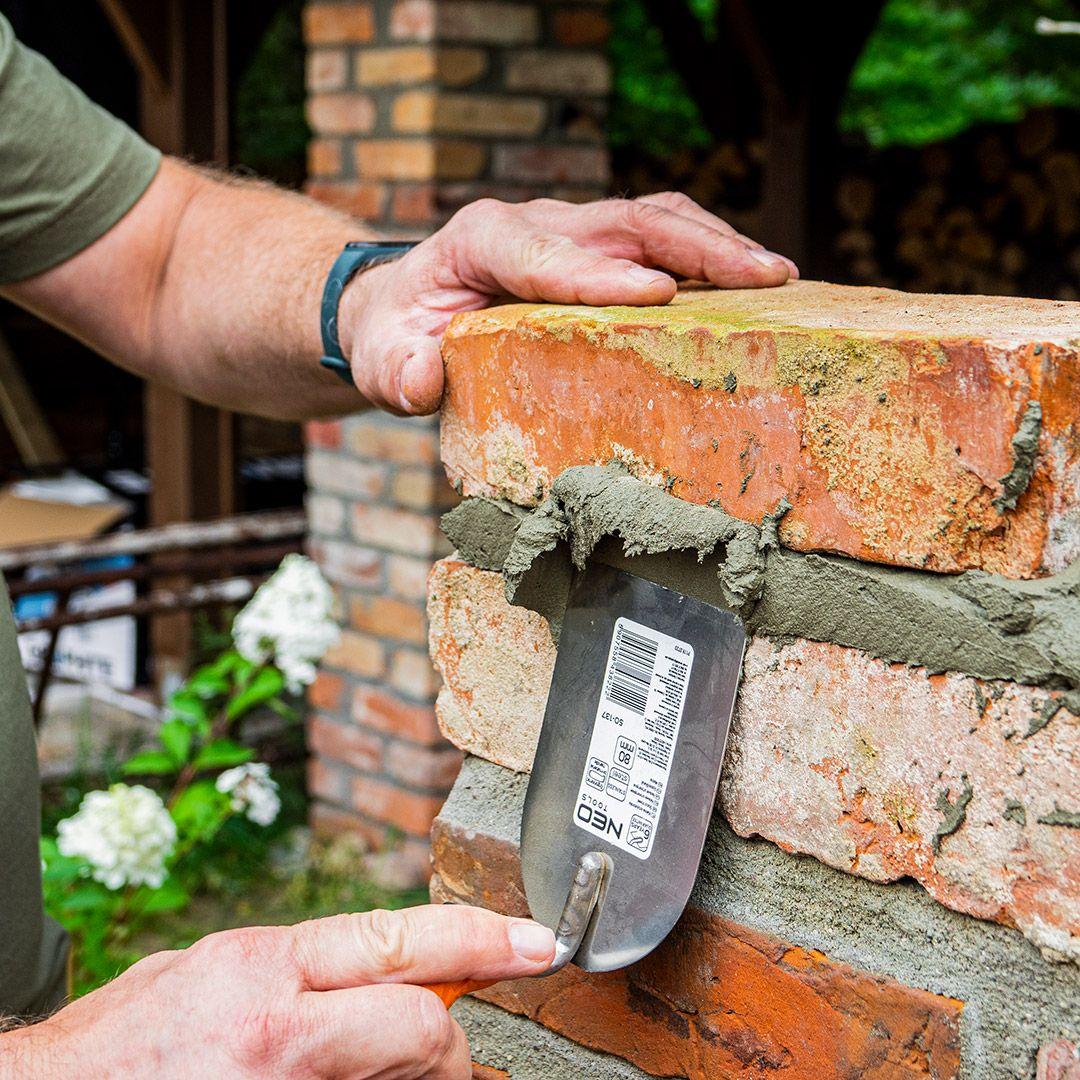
(629, 758)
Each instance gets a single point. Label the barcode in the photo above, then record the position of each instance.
(631, 671)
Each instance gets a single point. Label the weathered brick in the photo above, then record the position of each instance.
(406, 810)
(346, 563)
(331, 24)
(832, 753)
(359, 654)
(559, 72)
(459, 160)
(414, 203)
(551, 164)
(387, 713)
(487, 21)
(412, 674)
(340, 113)
(581, 26)
(461, 66)
(344, 475)
(395, 66)
(387, 617)
(886, 419)
(423, 111)
(326, 691)
(421, 488)
(407, 577)
(361, 199)
(715, 998)
(323, 433)
(328, 820)
(419, 159)
(413, 20)
(423, 767)
(327, 781)
(325, 513)
(323, 160)
(1059, 1060)
(344, 743)
(396, 529)
(326, 69)
(382, 439)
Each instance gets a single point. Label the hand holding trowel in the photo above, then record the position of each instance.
(626, 769)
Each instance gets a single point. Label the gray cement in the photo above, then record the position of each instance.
(976, 623)
(1014, 999)
(530, 1052)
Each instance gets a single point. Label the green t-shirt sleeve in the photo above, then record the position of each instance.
(68, 170)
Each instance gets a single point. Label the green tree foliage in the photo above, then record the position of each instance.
(931, 69)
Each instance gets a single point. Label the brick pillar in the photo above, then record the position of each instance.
(420, 106)
(416, 108)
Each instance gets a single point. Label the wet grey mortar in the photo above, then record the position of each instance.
(1014, 1001)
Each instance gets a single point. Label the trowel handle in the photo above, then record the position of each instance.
(449, 992)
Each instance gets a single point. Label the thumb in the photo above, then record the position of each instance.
(402, 372)
(433, 943)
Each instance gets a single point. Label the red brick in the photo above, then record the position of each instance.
(414, 204)
(331, 24)
(885, 418)
(405, 531)
(323, 161)
(412, 674)
(405, 810)
(421, 767)
(552, 164)
(716, 999)
(413, 20)
(344, 743)
(326, 691)
(405, 443)
(341, 113)
(387, 67)
(557, 71)
(327, 69)
(358, 654)
(387, 713)
(344, 475)
(386, 617)
(581, 26)
(346, 563)
(325, 781)
(358, 198)
(323, 433)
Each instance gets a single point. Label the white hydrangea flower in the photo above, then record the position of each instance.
(253, 792)
(288, 621)
(125, 834)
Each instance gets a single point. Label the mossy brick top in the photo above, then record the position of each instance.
(940, 432)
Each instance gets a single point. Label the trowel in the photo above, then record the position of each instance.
(627, 767)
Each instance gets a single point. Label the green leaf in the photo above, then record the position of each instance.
(149, 763)
(188, 706)
(175, 736)
(222, 754)
(172, 896)
(207, 682)
(268, 683)
(200, 810)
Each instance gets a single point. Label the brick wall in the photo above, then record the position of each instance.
(420, 106)
(891, 883)
(417, 107)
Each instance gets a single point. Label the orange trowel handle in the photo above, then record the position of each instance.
(449, 992)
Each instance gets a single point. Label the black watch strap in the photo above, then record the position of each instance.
(357, 255)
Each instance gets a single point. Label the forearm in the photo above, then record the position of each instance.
(214, 287)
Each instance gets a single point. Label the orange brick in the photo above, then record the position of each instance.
(419, 159)
(716, 998)
(581, 26)
(386, 617)
(405, 810)
(411, 674)
(405, 442)
(346, 563)
(360, 199)
(326, 691)
(390, 66)
(323, 433)
(422, 767)
(886, 419)
(407, 577)
(342, 474)
(413, 20)
(388, 713)
(340, 113)
(419, 488)
(414, 203)
(324, 158)
(331, 24)
(326, 69)
(558, 71)
(358, 654)
(344, 743)
(418, 112)
(407, 531)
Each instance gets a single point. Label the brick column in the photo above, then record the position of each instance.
(416, 108)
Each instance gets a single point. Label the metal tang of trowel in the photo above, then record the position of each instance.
(627, 766)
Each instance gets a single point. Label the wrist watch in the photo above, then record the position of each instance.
(358, 255)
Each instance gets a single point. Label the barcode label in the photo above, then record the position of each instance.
(631, 671)
(633, 738)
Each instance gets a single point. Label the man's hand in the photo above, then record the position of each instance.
(608, 252)
(337, 997)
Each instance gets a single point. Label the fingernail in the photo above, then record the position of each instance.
(409, 368)
(531, 941)
(766, 258)
(642, 275)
